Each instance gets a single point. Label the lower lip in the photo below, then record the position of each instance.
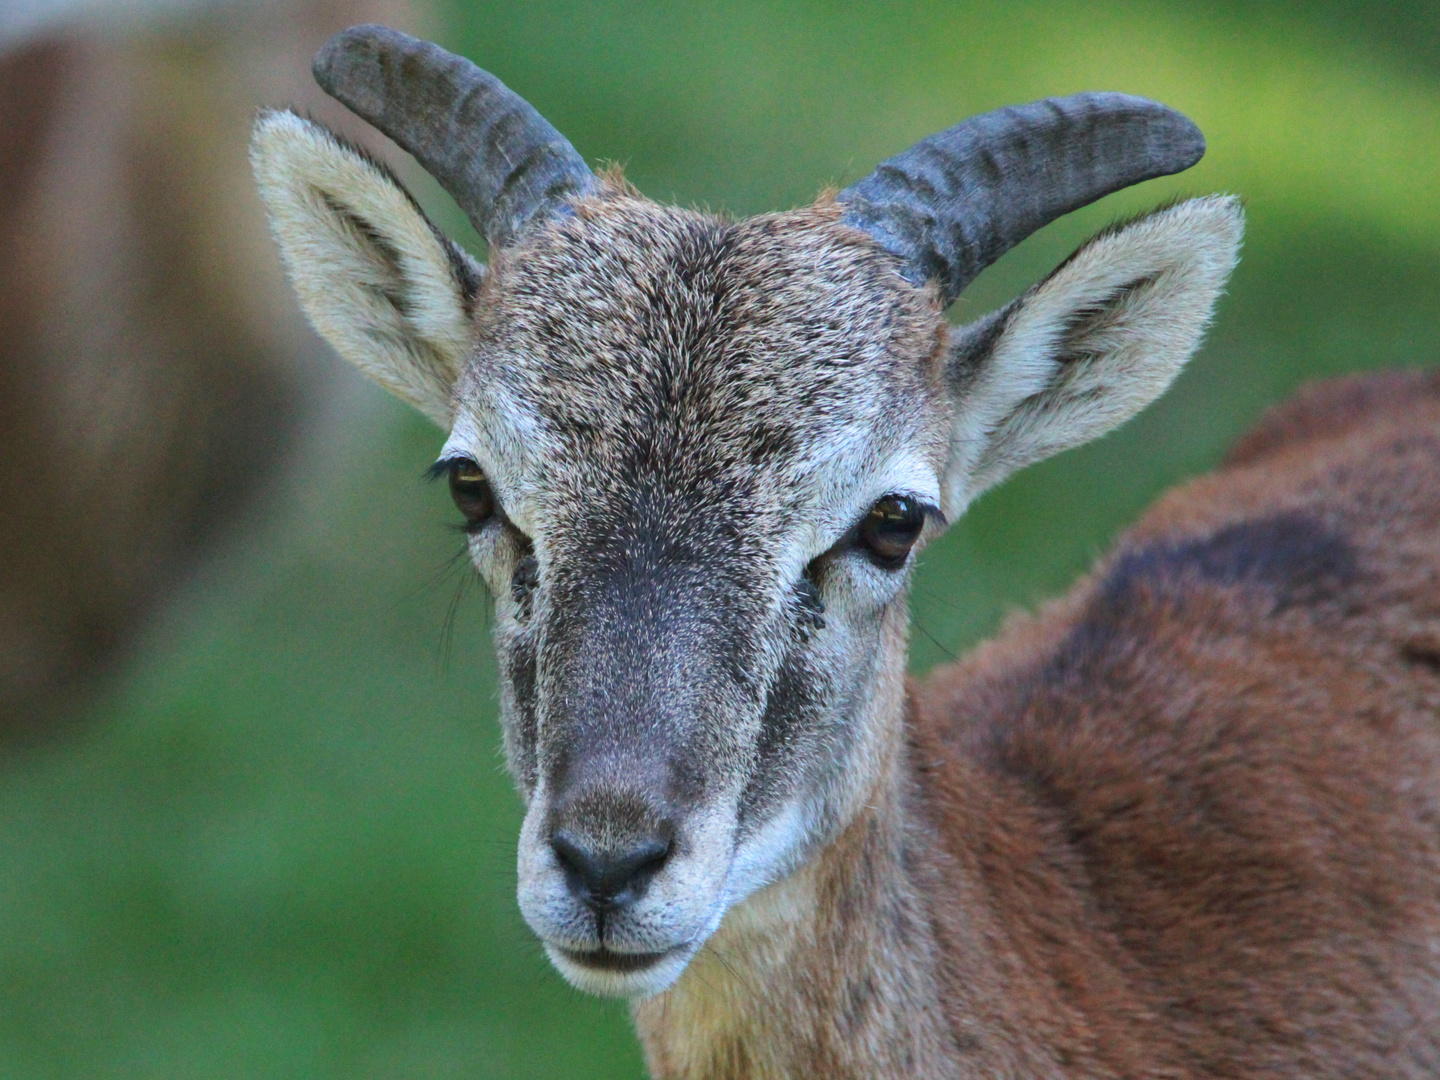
(616, 963)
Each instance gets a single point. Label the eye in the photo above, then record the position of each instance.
(471, 492)
(890, 530)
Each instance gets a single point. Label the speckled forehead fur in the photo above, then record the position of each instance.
(718, 358)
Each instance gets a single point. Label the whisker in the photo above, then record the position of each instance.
(931, 594)
(734, 971)
(448, 567)
(447, 632)
(934, 640)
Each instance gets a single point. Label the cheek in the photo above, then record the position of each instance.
(808, 730)
(516, 650)
(791, 730)
(495, 552)
(858, 592)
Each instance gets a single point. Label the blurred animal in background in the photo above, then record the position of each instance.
(1184, 823)
(154, 375)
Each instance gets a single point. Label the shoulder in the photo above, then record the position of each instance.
(1319, 533)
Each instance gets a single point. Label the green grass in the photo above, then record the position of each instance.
(282, 844)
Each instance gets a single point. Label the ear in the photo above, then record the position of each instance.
(377, 279)
(1090, 346)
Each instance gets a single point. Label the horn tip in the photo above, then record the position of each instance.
(1180, 140)
(1187, 141)
(353, 46)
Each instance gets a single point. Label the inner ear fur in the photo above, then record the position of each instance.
(381, 284)
(1090, 346)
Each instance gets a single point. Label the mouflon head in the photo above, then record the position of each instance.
(696, 456)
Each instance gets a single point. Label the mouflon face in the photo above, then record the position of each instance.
(710, 447)
(696, 457)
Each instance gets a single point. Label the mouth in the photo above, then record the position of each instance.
(603, 959)
(620, 974)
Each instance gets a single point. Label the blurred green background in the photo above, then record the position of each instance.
(281, 843)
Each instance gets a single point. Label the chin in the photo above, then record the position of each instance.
(621, 975)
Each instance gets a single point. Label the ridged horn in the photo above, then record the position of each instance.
(955, 202)
(498, 157)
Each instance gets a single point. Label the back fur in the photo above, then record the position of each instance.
(1325, 410)
(1197, 802)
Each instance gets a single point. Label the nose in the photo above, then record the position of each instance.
(609, 879)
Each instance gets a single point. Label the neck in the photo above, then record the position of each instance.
(830, 972)
(898, 952)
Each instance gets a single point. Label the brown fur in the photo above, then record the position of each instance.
(1185, 822)
(1188, 817)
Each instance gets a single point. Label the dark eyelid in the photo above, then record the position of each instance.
(447, 465)
(927, 509)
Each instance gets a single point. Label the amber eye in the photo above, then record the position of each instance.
(471, 492)
(890, 530)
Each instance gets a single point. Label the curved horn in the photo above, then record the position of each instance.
(499, 158)
(954, 203)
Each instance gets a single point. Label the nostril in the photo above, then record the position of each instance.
(609, 878)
